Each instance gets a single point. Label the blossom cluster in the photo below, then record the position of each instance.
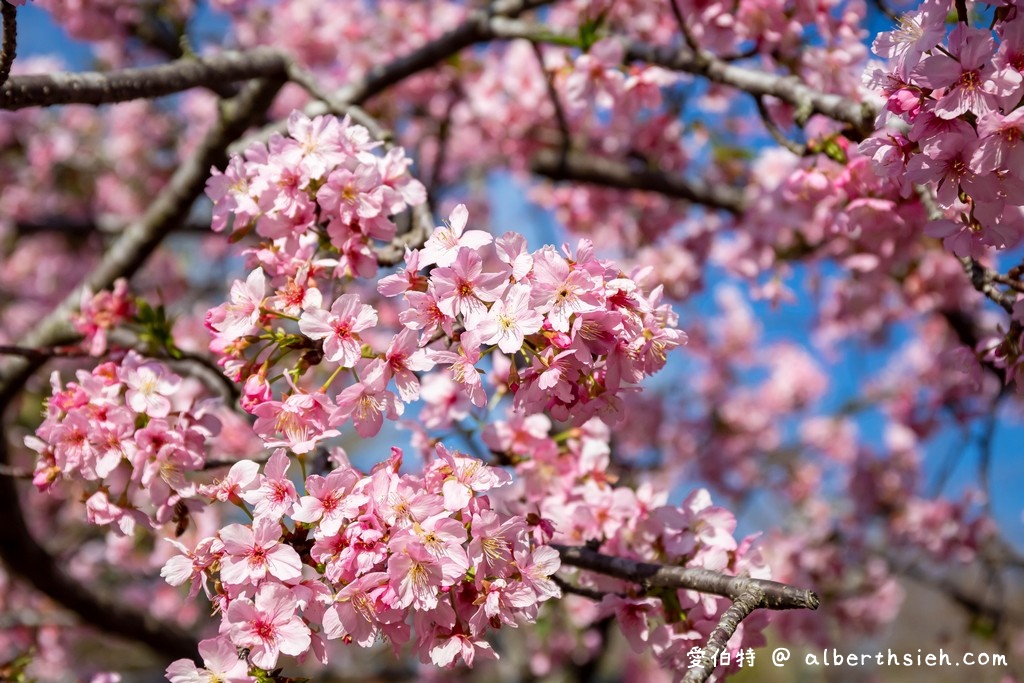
(321, 181)
(581, 331)
(567, 483)
(958, 97)
(126, 432)
(359, 556)
(99, 313)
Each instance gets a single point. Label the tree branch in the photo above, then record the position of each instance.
(984, 280)
(477, 28)
(772, 594)
(776, 133)
(789, 89)
(563, 121)
(576, 590)
(739, 610)
(73, 228)
(147, 82)
(9, 48)
(605, 172)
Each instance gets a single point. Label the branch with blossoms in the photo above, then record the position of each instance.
(789, 89)
(140, 239)
(478, 27)
(748, 594)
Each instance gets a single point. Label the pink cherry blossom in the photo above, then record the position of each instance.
(238, 318)
(250, 554)
(297, 423)
(221, 663)
(463, 366)
(368, 401)
(404, 359)
(339, 328)
(276, 493)
(268, 625)
(444, 243)
(330, 501)
(963, 74)
(464, 288)
(559, 291)
(510, 319)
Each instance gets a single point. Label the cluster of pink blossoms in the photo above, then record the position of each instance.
(322, 181)
(99, 313)
(960, 100)
(129, 435)
(584, 330)
(362, 557)
(566, 484)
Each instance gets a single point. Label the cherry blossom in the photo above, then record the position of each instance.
(267, 625)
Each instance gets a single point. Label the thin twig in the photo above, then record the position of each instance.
(41, 354)
(884, 8)
(563, 122)
(739, 610)
(15, 472)
(776, 132)
(338, 106)
(476, 28)
(609, 173)
(691, 41)
(961, 11)
(444, 129)
(567, 587)
(985, 450)
(9, 48)
(73, 228)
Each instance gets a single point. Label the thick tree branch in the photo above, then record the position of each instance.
(772, 594)
(72, 228)
(146, 82)
(719, 638)
(605, 172)
(9, 48)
